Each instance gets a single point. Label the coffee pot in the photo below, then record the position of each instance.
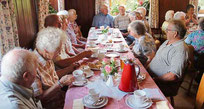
(128, 81)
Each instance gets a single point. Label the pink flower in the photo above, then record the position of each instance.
(105, 60)
(140, 2)
(108, 69)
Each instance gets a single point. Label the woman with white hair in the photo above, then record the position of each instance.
(144, 47)
(143, 11)
(168, 16)
(18, 73)
(73, 29)
(48, 84)
(179, 15)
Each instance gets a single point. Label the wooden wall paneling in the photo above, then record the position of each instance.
(85, 11)
(26, 17)
(165, 5)
(54, 4)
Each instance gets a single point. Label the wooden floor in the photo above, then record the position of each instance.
(183, 100)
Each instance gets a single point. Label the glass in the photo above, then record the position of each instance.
(122, 61)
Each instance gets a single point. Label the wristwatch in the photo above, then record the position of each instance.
(60, 84)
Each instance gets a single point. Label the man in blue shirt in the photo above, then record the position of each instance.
(103, 18)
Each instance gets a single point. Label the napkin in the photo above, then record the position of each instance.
(78, 104)
(162, 105)
(153, 93)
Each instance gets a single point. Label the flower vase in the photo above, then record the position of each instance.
(109, 82)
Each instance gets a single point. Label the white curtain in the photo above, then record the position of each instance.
(61, 5)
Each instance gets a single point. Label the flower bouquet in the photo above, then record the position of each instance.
(109, 67)
(104, 30)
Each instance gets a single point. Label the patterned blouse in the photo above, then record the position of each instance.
(71, 32)
(196, 39)
(144, 46)
(46, 78)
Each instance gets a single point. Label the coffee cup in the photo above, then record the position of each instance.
(140, 97)
(92, 44)
(78, 75)
(101, 55)
(86, 68)
(93, 96)
(95, 52)
(122, 46)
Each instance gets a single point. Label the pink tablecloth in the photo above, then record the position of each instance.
(80, 92)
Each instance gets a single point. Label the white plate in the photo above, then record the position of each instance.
(100, 104)
(112, 55)
(122, 51)
(80, 83)
(129, 101)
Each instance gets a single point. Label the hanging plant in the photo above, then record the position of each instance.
(51, 9)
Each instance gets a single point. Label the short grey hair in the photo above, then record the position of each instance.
(169, 15)
(137, 27)
(50, 39)
(103, 6)
(16, 62)
(180, 27)
(178, 15)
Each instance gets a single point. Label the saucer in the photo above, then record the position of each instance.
(129, 101)
(101, 102)
(112, 55)
(122, 51)
(80, 83)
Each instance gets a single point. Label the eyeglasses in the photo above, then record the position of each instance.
(170, 30)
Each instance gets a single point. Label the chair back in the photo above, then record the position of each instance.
(200, 95)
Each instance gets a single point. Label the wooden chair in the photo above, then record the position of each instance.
(200, 95)
(196, 68)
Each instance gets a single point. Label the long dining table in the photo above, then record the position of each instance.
(115, 37)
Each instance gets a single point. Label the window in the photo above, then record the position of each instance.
(201, 5)
(130, 5)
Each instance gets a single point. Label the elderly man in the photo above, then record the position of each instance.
(18, 73)
(103, 18)
(171, 59)
(144, 47)
(48, 84)
(64, 60)
(122, 20)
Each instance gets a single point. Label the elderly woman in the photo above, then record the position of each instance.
(142, 11)
(190, 16)
(179, 15)
(168, 16)
(74, 31)
(196, 39)
(48, 84)
(68, 54)
(144, 47)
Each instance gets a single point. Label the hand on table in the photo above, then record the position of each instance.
(66, 80)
